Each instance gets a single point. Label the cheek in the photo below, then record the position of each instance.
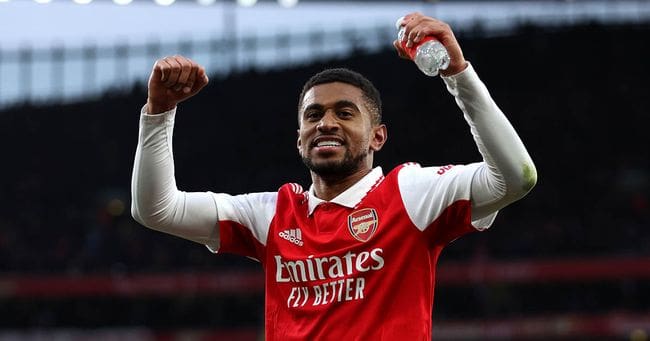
(361, 141)
(365, 136)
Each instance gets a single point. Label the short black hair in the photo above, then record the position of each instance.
(343, 75)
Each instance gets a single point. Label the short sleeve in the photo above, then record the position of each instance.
(244, 222)
(430, 192)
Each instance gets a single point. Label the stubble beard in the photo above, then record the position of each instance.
(337, 169)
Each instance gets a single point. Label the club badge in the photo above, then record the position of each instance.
(362, 224)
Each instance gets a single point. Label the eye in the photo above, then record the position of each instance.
(312, 115)
(345, 114)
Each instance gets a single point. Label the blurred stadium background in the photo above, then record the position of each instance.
(571, 261)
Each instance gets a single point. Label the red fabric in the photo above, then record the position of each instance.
(337, 287)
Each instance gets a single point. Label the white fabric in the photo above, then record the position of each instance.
(509, 172)
(427, 192)
(351, 196)
(156, 202)
(254, 210)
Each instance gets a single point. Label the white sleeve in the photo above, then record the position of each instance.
(507, 172)
(251, 212)
(156, 202)
(428, 192)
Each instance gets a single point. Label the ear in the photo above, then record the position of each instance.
(298, 143)
(379, 137)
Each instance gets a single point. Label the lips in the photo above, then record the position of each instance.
(327, 141)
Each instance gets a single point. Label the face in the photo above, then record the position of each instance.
(336, 135)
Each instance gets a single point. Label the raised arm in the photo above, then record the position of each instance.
(508, 172)
(156, 202)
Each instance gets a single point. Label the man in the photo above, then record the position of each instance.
(354, 257)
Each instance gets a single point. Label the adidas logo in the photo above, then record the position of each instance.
(292, 235)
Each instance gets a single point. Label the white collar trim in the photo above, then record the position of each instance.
(352, 196)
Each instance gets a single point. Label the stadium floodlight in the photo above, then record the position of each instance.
(246, 3)
(82, 2)
(164, 2)
(206, 2)
(43, 1)
(122, 2)
(4, 0)
(288, 3)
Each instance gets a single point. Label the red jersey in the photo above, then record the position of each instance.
(360, 267)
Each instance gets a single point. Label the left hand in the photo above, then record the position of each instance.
(418, 26)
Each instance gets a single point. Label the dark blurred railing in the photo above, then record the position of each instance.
(246, 282)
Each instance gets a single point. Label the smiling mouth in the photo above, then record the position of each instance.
(328, 144)
(326, 141)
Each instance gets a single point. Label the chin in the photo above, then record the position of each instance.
(332, 167)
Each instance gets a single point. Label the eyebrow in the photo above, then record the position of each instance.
(339, 104)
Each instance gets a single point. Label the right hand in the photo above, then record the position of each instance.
(173, 80)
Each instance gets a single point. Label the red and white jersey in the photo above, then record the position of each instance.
(359, 267)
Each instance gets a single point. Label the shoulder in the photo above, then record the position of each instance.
(290, 197)
(293, 191)
(404, 167)
(291, 188)
(259, 200)
(414, 172)
(428, 192)
(414, 180)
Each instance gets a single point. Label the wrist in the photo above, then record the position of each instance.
(159, 107)
(454, 69)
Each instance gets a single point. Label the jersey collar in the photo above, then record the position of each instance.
(351, 196)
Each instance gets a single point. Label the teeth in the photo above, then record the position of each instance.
(328, 144)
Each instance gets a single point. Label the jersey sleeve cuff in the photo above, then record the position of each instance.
(157, 118)
(464, 82)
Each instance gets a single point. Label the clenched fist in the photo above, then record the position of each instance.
(173, 80)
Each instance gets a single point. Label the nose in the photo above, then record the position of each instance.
(328, 122)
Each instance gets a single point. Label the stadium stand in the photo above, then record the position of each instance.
(574, 253)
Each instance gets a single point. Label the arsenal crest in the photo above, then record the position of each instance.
(362, 224)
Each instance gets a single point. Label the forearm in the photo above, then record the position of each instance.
(508, 173)
(156, 201)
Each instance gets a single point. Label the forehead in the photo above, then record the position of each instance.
(330, 93)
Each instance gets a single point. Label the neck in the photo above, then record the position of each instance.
(329, 187)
